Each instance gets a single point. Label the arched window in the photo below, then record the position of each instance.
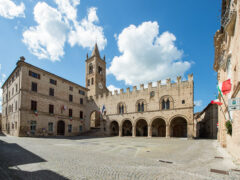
(166, 102)
(163, 104)
(142, 109)
(141, 106)
(121, 108)
(90, 69)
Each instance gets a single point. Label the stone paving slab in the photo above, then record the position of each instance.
(113, 158)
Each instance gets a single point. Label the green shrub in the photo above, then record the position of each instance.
(229, 127)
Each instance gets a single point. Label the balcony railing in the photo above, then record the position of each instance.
(228, 14)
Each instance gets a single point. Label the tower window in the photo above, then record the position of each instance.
(99, 70)
(88, 82)
(183, 101)
(90, 70)
(92, 81)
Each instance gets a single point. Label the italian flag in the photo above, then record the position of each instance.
(224, 87)
(216, 101)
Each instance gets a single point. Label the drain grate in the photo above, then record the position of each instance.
(238, 170)
(168, 162)
(219, 171)
(218, 157)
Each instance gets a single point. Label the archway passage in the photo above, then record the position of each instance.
(114, 128)
(61, 128)
(95, 119)
(127, 128)
(179, 127)
(141, 128)
(159, 128)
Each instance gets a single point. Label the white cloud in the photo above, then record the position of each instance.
(47, 39)
(10, 10)
(198, 103)
(2, 79)
(112, 88)
(146, 55)
(86, 33)
(56, 26)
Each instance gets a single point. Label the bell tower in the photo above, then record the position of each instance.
(96, 73)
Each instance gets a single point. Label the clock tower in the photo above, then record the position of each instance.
(96, 73)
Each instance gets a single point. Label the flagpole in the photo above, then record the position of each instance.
(225, 104)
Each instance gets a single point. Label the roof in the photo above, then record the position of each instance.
(45, 72)
(95, 51)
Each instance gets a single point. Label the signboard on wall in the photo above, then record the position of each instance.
(234, 104)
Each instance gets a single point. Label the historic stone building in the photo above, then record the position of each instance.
(206, 122)
(36, 102)
(39, 103)
(226, 64)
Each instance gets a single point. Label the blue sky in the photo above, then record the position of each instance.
(161, 38)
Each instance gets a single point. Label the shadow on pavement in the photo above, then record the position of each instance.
(12, 155)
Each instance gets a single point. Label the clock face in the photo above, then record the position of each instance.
(100, 85)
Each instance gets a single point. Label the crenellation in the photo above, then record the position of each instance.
(141, 86)
(121, 91)
(150, 85)
(179, 78)
(190, 77)
(128, 90)
(134, 88)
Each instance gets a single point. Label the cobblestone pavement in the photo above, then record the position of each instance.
(113, 158)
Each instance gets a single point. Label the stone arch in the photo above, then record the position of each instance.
(141, 127)
(121, 108)
(178, 126)
(95, 119)
(158, 125)
(114, 128)
(166, 102)
(141, 105)
(127, 127)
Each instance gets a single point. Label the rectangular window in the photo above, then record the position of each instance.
(16, 88)
(33, 105)
(35, 75)
(81, 92)
(52, 81)
(12, 91)
(80, 128)
(15, 125)
(51, 92)
(81, 100)
(34, 86)
(88, 82)
(70, 112)
(70, 88)
(50, 127)
(16, 107)
(33, 126)
(51, 109)
(70, 97)
(81, 115)
(69, 128)
(92, 80)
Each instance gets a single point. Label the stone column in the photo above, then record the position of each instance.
(120, 131)
(134, 131)
(167, 131)
(149, 131)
